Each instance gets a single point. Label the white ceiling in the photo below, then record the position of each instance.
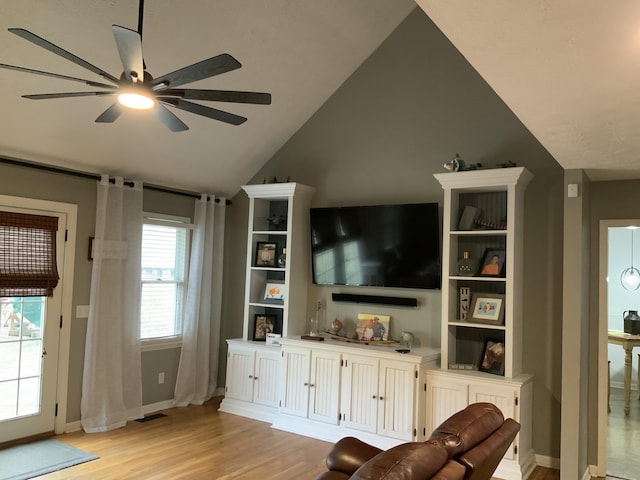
(300, 51)
(570, 70)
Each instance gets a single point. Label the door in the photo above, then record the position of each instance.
(324, 387)
(445, 396)
(29, 347)
(295, 399)
(240, 365)
(360, 393)
(502, 397)
(266, 378)
(396, 387)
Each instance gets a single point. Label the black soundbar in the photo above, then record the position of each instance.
(399, 301)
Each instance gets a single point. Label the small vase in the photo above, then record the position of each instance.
(282, 259)
(466, 266)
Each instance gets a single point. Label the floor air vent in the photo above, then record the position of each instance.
(153, 416)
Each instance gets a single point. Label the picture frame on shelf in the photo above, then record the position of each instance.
(493, 356)
(488, 308)
(372, 326)
(265, 254)
(274, 292)
(263, 324)
(493, 263)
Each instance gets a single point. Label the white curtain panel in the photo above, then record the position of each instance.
(112, 381)
(196, 381)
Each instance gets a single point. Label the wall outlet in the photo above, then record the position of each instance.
(160, 378)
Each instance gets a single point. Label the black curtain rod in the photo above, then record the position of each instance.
(93, 176)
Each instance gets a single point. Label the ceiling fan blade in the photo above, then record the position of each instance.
(207, 112)
(256, 98)
(204, 69)
(41, 42)
(110, 114)
(56, 75)
(46, 96)
(172, 122)
(129, 46)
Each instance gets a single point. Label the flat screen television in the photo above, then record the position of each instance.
(377, 245)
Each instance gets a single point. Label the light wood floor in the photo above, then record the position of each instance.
(198, 442)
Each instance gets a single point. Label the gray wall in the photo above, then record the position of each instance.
(408, 109)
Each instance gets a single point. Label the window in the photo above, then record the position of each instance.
(163, 273)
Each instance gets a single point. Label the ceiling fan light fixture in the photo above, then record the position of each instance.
(136, 100)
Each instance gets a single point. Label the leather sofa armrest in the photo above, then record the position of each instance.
(348, 454)
(465, 429)
(484, 458)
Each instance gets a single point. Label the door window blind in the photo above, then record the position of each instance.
(27, 255)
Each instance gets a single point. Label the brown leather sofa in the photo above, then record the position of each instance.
(468, 445)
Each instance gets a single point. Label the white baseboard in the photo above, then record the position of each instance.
(72, 427)
(586, 475)
(156, 407)
(548, 462)
(146, 409)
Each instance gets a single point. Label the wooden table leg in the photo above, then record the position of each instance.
(628, 358)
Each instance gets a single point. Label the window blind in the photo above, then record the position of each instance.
(27, 255)
(163, 270)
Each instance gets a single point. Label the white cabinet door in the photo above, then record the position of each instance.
(444, 398)
(396, 392)
(240, 364)
(502, 397)
(266, 378)
(324, 386)
(360, 393)
(295, 397)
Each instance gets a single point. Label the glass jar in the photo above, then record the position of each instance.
(467, 267)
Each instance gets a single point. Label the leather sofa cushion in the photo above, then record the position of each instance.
(409, 461)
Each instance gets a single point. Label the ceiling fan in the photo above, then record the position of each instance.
(137, 89)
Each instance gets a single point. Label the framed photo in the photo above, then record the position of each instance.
(372, 327)
(263, 324)
(488, 308)
(265, 254)
(493, 263)
(274, 291)
(492, 360)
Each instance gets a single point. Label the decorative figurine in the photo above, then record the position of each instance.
(336, 327)
(457, 164)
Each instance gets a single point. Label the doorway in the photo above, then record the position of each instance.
(617, 455)
(34, 353)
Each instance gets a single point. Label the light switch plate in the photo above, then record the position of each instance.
(82, 311)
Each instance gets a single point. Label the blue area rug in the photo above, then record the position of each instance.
(33, 459)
